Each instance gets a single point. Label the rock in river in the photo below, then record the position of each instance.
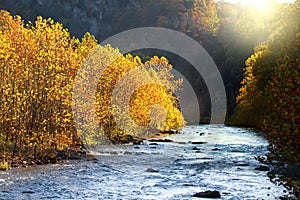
(137, 142)
(208, 194)
(262, 168)
(160, 140)
(199, 142)
(195, 148)
(151, 170)
(28, 192)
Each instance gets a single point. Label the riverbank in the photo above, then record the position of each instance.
(283, 173)
(8, 160)
(52, 156)
(287, 175)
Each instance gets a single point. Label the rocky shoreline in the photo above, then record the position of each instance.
(53, 156)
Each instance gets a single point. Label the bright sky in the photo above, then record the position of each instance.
(259, 4)
(256, 1)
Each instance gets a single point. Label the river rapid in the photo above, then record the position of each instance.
(205, 157)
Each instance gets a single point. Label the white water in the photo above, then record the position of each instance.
(225, 163)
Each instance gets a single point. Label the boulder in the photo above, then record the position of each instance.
(160, 140)
(137, 142)
(199, 142)
(171, 131)
(151, 170)
(181, 142)
(195, 148)
(28, 192)
(262, 168)
(208, 194)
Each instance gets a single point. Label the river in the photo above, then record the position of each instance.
(206, 157)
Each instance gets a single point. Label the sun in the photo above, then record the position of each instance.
(260, 5)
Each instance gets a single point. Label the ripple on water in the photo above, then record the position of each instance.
(225, 163)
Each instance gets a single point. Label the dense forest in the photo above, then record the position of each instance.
(256, 52)
(212, 25)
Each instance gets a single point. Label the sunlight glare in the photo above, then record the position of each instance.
(261, 5)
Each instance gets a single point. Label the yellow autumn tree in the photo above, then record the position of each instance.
(39, 64)
(126, 92)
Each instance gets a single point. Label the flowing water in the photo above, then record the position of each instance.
(222, 159)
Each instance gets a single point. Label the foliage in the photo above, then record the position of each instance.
(38, 65)
(4, 165)
(37, 61)
(142, 99)
(269, 98)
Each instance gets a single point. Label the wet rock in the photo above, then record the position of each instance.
(243, 164)
(208, 194)
(171, 131)
(195, 148)
(201, 134)
(128, 139)
(151, 170)
(199, 142)
(206, 158)
(38, 162)
(215, 149)
(262, 168)
(153, 144)
(28, 192)
(54, 161)
(138, 142)
(90, 157)
(181, 142)
(160, 140)
(188, 184)
(74, 158)
(136, 147)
